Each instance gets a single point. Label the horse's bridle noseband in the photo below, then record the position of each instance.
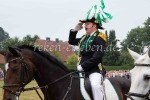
(24, 70)
(144, 96)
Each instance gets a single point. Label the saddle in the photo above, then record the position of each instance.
(86, 84)
(88, 88)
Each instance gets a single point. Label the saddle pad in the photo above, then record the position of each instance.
(110, 91)
(82, 88)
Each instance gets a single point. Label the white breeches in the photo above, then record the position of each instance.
(95, 79)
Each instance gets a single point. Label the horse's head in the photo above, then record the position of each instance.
(18, 72)
(140, 77)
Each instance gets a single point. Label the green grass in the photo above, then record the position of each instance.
(29, 95)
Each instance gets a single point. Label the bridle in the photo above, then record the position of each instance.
(25, 70)
(144, 96)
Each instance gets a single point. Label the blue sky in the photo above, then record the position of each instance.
(54, 18)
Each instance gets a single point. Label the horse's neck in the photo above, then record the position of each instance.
(47, 73)
(47, 69)
(58, 88)
(41, 83)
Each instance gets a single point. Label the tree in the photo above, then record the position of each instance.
(3, 35)
(11, 42)
(28, 40)
(147, 22)
(137, 38)
(146, 29)
(134, 40)
(112, 52)
(56, 54)
(72, 60)
(125, 59)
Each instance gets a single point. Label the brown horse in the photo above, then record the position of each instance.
(55, 81)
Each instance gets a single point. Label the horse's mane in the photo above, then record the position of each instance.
(44, 54)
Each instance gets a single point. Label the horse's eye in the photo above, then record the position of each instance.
(146, 77)
(15, 62)
(15, 69)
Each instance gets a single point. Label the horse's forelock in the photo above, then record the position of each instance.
(6, 67)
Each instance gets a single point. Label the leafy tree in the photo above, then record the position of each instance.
(12, 42)
(134, 40)
(146, 29)
(137, 38)
(125, 59)
(57, 54)
(28, 40)
(3, 35)
(112, 52)
(147, 22)
(72, 60)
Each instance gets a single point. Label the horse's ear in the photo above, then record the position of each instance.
(134, 55)
(15, 51)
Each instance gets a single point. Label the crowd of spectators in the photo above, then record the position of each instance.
(1, 74)
(118, 73)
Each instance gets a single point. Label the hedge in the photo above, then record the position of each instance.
(1, 65)
(108, 68)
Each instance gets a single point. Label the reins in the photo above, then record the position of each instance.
(46, 86)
